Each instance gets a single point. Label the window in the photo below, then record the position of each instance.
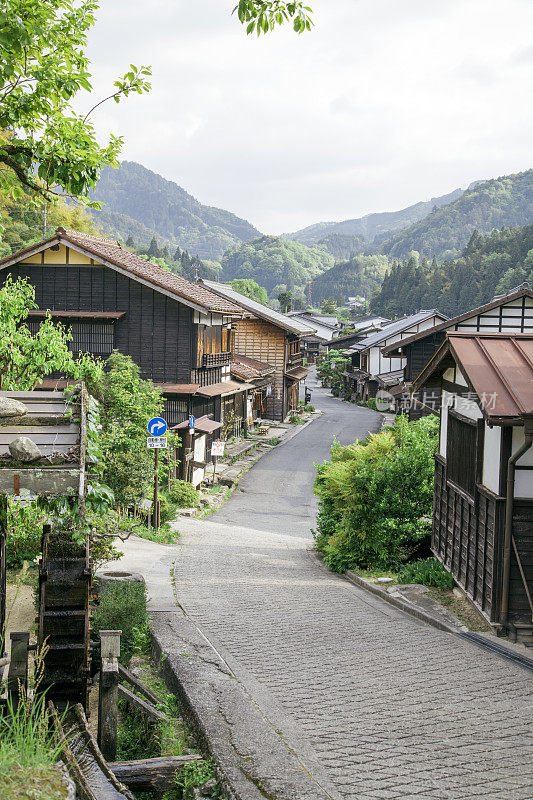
(176, 411)
(97, 338)
(464, 448)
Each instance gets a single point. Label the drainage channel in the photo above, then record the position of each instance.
(498, 649)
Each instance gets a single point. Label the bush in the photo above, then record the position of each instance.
(25, 527)
(375, 497)
(183, 494)
(122, 606)
(309, 408)
(427, 571)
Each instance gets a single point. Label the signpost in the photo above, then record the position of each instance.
(217, 450)
(157, 427)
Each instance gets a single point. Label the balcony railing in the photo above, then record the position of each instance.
(206, 376)
(216, 359)
(295, 360)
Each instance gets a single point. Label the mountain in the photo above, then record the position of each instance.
(486, 205)
(372, 225)
(162, 208)
(490, 264)
(361, 275)
(272, 261)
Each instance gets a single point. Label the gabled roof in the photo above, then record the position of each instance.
(396, 327)
(498, 367)
(258, 309)
(110, 253)
(521, 291)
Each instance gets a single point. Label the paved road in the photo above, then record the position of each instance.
(374, 703)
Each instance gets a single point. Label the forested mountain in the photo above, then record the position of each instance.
(490, 264)
(372, 225)
(343, 246)
(164, 208)
(361, 275)
(274, 262)
(446, 230)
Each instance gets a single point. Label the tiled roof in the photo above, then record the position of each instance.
(108, 250)
(498, 367)
(260, 310)
(249, 369)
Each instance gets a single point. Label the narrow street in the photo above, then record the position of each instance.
(374, 703)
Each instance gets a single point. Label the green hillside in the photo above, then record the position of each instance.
(272, 262)
(445, 231)
(490, 264)
(361, 275)
(343, 246)
(372, 225)
(165, 209)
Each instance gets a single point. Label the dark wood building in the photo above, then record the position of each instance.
(272, 338)
(509, 313)
(179, 333)
(483, 503)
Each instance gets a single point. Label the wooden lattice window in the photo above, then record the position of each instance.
(464, 451)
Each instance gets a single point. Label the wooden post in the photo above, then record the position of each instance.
(3, 585)
(156, 489)
(17, 678)
(108, 700)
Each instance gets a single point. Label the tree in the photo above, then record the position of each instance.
(285, 301)
(263, 15)
(26, 358)
(328, 306)
(154, 250)
(251, 289)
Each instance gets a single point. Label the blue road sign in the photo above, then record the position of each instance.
(157, 426)
(192, 423)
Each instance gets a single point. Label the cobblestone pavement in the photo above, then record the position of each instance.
(390, 707)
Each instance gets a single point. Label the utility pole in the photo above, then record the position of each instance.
(45, 221)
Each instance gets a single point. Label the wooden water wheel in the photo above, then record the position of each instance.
(64, 619)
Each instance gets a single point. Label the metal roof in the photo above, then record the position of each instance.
(498, 367)
(522, 291)
(249, 369)
(396, 327)
(222, 389)
(258, 309)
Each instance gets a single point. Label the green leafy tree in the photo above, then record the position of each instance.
(249, 288)
(328, 306)
(263, 15)
(285, 301)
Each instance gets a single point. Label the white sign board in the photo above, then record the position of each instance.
(156, 442)
(217, 449)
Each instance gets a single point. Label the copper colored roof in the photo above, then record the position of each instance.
(203, 424)
(297, 374)
(248, 369)
(222, 389)
(178, 388)
(498, 367)
(110, 252)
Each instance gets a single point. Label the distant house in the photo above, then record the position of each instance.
(326, 328)
(370, 369)
(483, 505)
(271, 338)
(508, 313)
(260, 378)
(179, 333)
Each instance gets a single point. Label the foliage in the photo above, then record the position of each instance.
(375, 497)
(361, 275)
(343, 246)
(183, 494)
(25, 527)
(251, 289)
(486, 205)
(271, 261)
(263, 15)
(122, 606)
(428, 572)
(26, 358)
(491, 263)
(330, 368)
(285, 301)
(328, 306)
(43, 67)
(192, 775)
(126, 405)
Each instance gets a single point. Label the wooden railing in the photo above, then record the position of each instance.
(216, 359)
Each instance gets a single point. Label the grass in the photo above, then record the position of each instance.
(164, 535)
(461, 608)
(122, 606)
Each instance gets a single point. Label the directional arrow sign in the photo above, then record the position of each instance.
(157, 426)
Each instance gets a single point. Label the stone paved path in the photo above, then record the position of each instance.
(390, 708)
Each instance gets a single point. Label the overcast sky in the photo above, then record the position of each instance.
(383, 104)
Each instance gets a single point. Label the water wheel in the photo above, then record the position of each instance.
(64, 618)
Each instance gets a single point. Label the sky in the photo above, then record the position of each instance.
(385, 103)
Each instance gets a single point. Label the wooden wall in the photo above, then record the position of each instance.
(265, 342)
(156, 331)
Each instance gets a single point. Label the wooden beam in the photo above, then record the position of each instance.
(141, 705)
(130, 678)
(151, 774)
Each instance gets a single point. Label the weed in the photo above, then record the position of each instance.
(427, 571)
(122, 606)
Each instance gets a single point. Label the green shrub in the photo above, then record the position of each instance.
(122, 606)
(183, 494)
(25, 527)
(294, 419)
(371, 403)
(375, 497)
(309, 408)
(427, 571)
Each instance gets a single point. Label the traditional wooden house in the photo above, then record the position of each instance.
(259, 377)
(179, 333)
(272, 338)
(508, 313)
(371, 370)
(483, 505)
